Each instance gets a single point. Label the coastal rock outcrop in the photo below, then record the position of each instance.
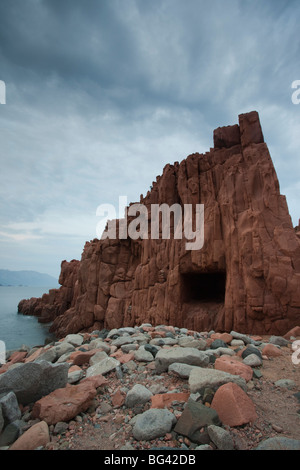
(245, 277)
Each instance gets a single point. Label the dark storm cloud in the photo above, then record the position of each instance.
(101, 94)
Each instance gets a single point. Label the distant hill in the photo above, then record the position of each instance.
(26, 278)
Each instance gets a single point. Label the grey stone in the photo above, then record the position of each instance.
(181, 370)
(220, 437)
(152, 349)
(10, 407)
(190, 342)
(218, 343)
(200, 378)
(251, 350)
(237, 342)
(257, 374)
(50, 355)
(208, 395)
(252, 360)
(157, 388)
(75, 376)
(1, 420)
(129, 367)
(60, 427)
(126, 339)
(191, 356)
(183, 331)
(195, 416)
(102, 333)
(245, 338)
(204, 447)
(157, 342)
(119, 372)
(113, 332)
(220, 352)
(278, 341)
(53, 353)
(138, 395)
(152, 424)
(33, 380)
(126, 348)
(74, 339)
(127, 446)
(99, 356)
(279, 443)
(98, 343)
(127, 329)
(142, 355)
(285, 383)
(141, 338)
(103, 367)
(63, 348)
(147, 325)
(104, 408)
(163, 341)
(11, 433)
(63, 358)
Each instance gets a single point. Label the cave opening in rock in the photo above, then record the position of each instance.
(203, 287)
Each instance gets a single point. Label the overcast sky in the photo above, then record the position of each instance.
(101, 94)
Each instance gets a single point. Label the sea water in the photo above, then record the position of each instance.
(17, 329)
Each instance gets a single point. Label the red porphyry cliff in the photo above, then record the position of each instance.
(246, 277)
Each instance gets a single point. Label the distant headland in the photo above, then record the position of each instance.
(26, 278)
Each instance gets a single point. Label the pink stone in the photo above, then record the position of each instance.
(233, 405)
(234, 366)
(73, 369)
(226, 337)
(163, 400)
(293, 332)
(34, 355)
(17, 356)
(123, 357)
(270, 350)
(36, 436)
(95, 380)
(82, 357)
(64, 403)
(118, 399)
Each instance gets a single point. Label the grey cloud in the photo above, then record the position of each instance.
(102, 94)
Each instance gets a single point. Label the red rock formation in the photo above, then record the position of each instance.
(57, 301)
(246, 277)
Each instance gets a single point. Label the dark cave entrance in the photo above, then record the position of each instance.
(203, 287)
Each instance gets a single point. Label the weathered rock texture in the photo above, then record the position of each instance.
(245, 278)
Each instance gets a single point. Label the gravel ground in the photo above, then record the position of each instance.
(105, 427)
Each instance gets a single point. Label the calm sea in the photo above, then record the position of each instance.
(17, 329)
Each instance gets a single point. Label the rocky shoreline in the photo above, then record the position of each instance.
(146, 387)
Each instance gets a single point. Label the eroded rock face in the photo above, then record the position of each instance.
(245, 278)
